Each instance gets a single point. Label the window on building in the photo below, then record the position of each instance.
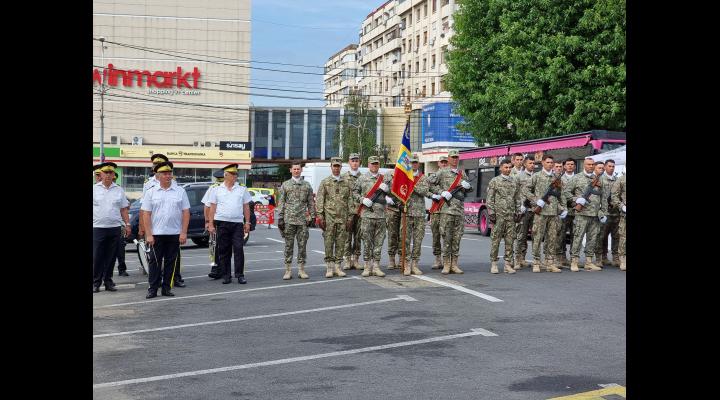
(443, 55)
(417, 41)
(402, 49)
(442, 84)
(444, 2)
(425, 14)
(278, 134)
(434, 8)
(432, 89)
(402, 70)
(314, 134)
(409, 45)
(297, 122)
(425, 37)
(417, 14)
(445, 25)
(417, 67)
(410, 19)
(433, 61)
(261, 134)
(424, 64)
(423, 93)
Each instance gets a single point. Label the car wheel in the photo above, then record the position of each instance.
(201, 241)
(484, 223)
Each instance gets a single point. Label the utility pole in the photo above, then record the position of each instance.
(102, 100)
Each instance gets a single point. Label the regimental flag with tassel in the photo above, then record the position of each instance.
(403, 180)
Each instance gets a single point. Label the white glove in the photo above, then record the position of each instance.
(623, 208)
(367, 202)
(563, 214)
(581, 201)
(384, 187)
(446, 195)
(603, 219)
(523, 209)
(389, 200)
(465, 184)
(540, 203)
(436, 196)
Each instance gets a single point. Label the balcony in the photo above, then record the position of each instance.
(373, 34)
(382, 50)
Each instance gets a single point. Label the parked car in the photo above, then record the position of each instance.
(196, 227)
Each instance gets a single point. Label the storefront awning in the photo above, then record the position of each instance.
(479, 153)
(550, 145)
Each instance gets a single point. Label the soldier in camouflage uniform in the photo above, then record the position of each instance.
(296, 208)
(334, 206)
(353, 246)
(521, 227)
(503, 201)
(415, 219)
(611, 226)
(591, 214)
(566, 223)
(437, 234)
(618, 199)
(373, 216)
(546, 223)
(517, 160)
(452, 213)
(393, 216)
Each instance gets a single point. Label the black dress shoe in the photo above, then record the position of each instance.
(241, 280)
(96, 289)
(110, 288)
(168, 293)
(214, 276)
(179, 284)
(150, 295)
(227, 280)
(123, 273)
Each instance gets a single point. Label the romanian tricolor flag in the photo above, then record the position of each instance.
(403, 180)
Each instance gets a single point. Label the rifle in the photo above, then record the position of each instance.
(555, 184)
(375, 198)
(589, 191)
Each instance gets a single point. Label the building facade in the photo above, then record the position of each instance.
(175, 72)
(340, 76)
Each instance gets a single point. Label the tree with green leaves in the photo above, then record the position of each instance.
(357, 128)
(524, 69)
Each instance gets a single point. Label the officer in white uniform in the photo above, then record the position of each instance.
(167, 215)
(110, 211)
(219, 176)
(229, 207)
(96, 171)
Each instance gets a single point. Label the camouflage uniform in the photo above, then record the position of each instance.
(514, 172)
(294, 202)
(547, 223)
(521, 228)
(334, 205)
(435, 227)
(372, 222)
(504, 201)
(415, 224)
(586, 220)
(610, 227)
(352, 245)
(452, 217)
(618, 199)
(393, 217)
(565, 226)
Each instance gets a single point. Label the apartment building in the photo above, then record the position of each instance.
(340, 76)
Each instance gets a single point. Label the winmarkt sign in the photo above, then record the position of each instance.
(189, 153)
(160, 79)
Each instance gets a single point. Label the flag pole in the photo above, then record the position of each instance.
(403, 220)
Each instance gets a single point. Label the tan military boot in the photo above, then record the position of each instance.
(622, 263)
(348, 264)
(407, 269)
(329, 270)
(301, 271)
(591, 266)
(446, 266)
(376, 269)
(536, 265)
(356, 262)
(391, 263)
(454, 266)
(615, 261)
(288, 272)
(494, 268)
(414, 268)
(550, 265)
(508, 268)
(338, 272)
(438, 262)
(366, 270)
(519, 264)
(574, 264)
(605, 260)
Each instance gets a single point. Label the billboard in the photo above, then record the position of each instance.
(438, 127)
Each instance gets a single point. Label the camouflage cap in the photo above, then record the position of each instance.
(453, 153)
(414, 158)
(336, 161)
(373, 160)
(443, 158)
(354, 155)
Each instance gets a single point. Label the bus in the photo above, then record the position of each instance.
(483, 163)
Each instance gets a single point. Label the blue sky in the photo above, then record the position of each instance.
(300, 32)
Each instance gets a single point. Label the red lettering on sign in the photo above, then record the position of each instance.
(160, 79)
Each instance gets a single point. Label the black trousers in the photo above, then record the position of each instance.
(121, 253)
(104, 253)
(230, 239)
(163, 256)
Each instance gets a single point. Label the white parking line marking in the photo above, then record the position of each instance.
(470, 239)
(319, 252)
(427, 247)
(225, 321)
(484, 332)
(247, 270)
(288, 360)
(226, 292)
(275, 240)
(457, 287)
